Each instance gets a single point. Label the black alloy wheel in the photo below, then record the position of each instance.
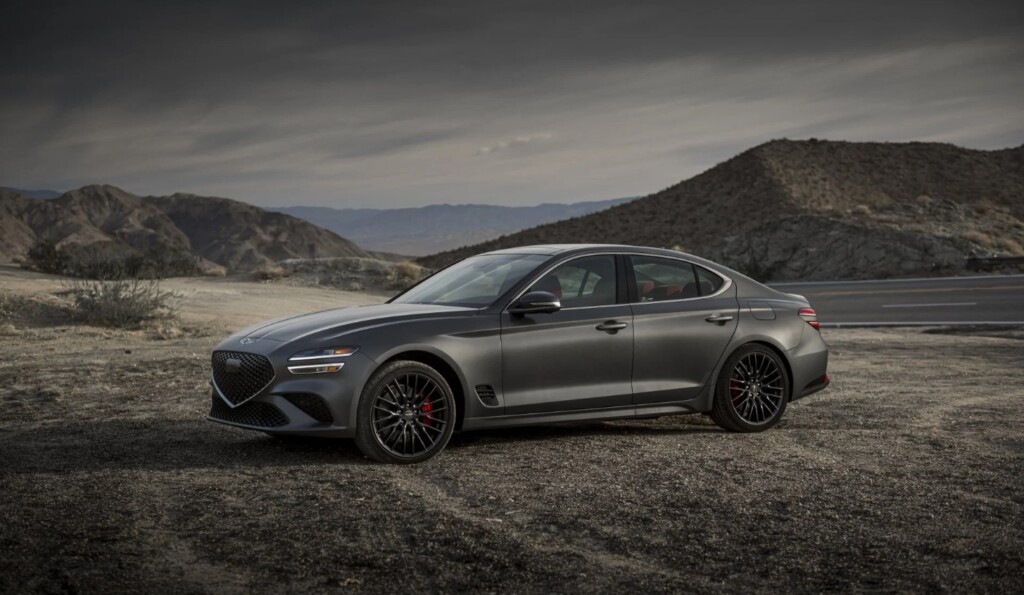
(406, 413)
(752, 390)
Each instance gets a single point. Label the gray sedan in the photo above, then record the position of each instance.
(531, 335)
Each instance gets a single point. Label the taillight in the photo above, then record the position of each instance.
(810, 317)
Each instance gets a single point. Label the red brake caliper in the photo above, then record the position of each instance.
(735, 389)
(427, 408)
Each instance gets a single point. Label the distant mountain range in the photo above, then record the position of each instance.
(219, 231)
(784, 210)
(435, 228)
(820, 210)
(40, 194)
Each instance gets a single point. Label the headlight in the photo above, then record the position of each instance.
(318, 354)
(316, 368)
(315, 357)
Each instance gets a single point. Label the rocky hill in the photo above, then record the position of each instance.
(788, 210)
(425, 230)
(219, 231)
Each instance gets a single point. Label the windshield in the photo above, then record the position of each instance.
(474, 283)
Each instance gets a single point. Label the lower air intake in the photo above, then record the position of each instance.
(260, 415)
(311, 405)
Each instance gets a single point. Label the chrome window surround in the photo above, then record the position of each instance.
(725, 286)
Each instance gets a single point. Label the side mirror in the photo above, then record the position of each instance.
(536, 302)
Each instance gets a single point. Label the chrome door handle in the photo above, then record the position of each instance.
(719, 318)
(611, 326)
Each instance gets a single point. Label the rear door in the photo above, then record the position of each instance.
(579, 357)
(683, 319)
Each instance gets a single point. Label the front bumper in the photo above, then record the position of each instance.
(308, 404)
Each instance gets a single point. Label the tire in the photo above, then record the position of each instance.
(406, 413)
(751, 391)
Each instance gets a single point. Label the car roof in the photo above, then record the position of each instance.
(553, 249)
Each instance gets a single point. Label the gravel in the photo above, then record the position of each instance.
(906, 475)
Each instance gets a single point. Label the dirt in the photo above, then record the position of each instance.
(906, 475)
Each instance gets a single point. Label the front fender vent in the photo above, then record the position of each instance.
(485, 392)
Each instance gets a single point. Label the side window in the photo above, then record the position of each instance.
(587, 281)
(659, 279)
(709, 282)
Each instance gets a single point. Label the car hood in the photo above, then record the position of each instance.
(341, 320)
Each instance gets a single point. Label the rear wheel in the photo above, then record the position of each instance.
(406, 413)
(751, 391)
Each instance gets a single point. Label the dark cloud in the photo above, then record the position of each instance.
(404, 103)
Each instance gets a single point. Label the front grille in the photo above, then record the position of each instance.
(252, 375)
(261, 415)
(311, 405)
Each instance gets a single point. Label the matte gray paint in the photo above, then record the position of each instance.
(544, 367)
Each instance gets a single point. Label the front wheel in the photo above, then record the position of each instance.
(751, 391)
(406, 413)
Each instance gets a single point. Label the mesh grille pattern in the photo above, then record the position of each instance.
(253, 375)
(311, 405)
(262, 415)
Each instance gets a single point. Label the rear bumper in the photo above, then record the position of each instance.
(815, 386)
(809, 364)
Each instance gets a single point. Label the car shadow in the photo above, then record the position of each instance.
(577, 429)
(160, 445)
(132, 444)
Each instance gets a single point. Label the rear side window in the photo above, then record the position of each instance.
(659, 279)
(708, 282)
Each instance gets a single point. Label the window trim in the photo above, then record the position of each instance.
(624, 269)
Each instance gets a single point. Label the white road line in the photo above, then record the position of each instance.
(932, 323)
(905, 280)
(930, 305)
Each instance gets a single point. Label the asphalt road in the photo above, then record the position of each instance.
(978, 300)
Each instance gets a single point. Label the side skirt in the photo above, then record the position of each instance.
(610, 413)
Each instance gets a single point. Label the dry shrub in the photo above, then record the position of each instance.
(110, 260)
(353, 274)
(121, 303)
(32, 309)
(1012, 247)
(269, 273)
(982, 239)
(986, 206)
(8, 307)
(406, 273)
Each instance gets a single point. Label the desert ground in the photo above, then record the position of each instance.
(906, 475)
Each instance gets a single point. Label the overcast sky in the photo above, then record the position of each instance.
(410, 103)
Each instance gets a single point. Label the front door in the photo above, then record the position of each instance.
(577, 358)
